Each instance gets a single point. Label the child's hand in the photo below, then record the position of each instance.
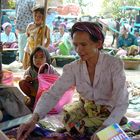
(29, 78)
(27, 100)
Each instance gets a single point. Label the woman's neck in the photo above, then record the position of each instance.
(7, 33)
(62, 33)
(93, 61)
(38, 24)
(126, 35)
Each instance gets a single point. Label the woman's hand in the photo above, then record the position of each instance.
(94, 136)
(26, 128)
(29, 78)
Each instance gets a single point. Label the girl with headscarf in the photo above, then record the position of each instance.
(29, 83)
(100, 81)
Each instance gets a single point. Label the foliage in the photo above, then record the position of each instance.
(111, 7)
(8, 4)
(81, 3)
(11, 4)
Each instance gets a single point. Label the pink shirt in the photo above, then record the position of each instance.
(108, 88)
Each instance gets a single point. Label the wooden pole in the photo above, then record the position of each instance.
(1, 73)
(0, 43)
(44, 22)
(0, 56)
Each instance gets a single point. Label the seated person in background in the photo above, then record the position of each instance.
(8, 38)
(100, 80)
(126, 39)
(137, 35)
(127, 43)
(62, 41)
(29, 85)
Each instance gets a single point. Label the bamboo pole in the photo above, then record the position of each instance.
(0, 56)
(44, 22)
(0, 43)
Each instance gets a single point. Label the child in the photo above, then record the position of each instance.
(29, 85)
(36, 34)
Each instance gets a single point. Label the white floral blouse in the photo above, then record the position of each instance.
(109, 87)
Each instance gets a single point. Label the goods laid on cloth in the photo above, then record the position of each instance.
(131, 62)
(14, 66)
(9, 55)
(12, 102)
(7, 77)
(7, 125)
(61, 60)
(46, 80)
(46, 129)
(110, 50)
(112, 132)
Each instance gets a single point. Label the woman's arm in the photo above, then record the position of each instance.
(49, 99)
(120, 93)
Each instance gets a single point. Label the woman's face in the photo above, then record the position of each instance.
(61, 29)
(38, 17)
(39, 59)
(84, 46)
(8, 29)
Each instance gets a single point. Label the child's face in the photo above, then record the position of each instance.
(38, 17)
(39, 59)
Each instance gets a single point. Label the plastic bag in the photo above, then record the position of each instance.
(46, 80)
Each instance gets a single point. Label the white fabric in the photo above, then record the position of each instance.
(8, 38)
(108, 87)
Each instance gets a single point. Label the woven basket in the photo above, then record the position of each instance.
(129, 64)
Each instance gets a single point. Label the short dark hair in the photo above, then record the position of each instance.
(39, 8)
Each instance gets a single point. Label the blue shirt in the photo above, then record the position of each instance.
(127, 42)
(8, 38)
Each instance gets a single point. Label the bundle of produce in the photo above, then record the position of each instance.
(131, 62)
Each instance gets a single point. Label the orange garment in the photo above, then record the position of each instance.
(35, 38)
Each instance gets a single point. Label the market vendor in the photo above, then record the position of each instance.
(100, 81)
(8, 38)
(126, 39)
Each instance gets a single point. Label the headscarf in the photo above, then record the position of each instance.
(63, 25)
(6, 24)
(126, 26)
(93, 28)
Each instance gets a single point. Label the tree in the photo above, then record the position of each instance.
(8, 4)
(11, 4)
(111, 7)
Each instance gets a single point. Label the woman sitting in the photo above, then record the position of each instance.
(99, 79)
(8, 38)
